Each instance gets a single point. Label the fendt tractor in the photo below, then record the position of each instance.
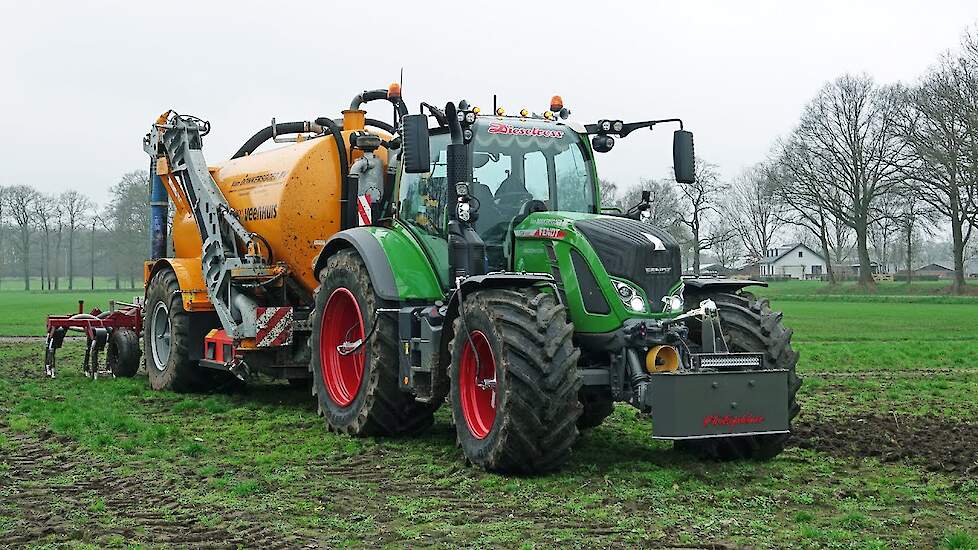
(451, 255)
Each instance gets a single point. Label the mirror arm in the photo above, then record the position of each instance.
(632, 126)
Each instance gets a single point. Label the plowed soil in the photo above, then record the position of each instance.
(927, 441)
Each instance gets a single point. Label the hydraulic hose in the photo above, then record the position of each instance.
(346, 214)
(285, 128)
(266, 134)
(372, 95)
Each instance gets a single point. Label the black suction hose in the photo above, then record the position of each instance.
(373, 95)
(346, 194)
(265, 134)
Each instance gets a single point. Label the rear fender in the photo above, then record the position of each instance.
(189, 277)
(381, 248)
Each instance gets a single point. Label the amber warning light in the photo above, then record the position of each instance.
(394, 91)
(556, 103)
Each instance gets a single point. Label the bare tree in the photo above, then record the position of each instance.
(44, 211)
(886, 227)
(940, 125)
(129, 219)
(915, 218)
(76, 207)
(20, 203)
(609, 193)
(699, 203)
(845, 154)
(754, 209)
(664, 209)
(801, 210)
(729, 250)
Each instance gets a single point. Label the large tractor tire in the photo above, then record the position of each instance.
(122, 353)
(357, 387)
(514, 390)
(166, 339)
(749, 325)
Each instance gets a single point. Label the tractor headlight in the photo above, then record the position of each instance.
(470, 117)
(673, 302)
(630, 297)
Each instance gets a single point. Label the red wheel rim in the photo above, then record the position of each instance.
(477, 384)
(342, 324)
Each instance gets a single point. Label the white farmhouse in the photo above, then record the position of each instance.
(797, 261)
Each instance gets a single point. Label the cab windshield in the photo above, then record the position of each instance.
(520, 166)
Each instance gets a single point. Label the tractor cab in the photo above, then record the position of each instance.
(518, 166)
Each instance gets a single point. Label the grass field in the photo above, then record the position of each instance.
(24, 313)
(884, 455)
(16, 284)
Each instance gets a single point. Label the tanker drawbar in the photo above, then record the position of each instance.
(450, 256)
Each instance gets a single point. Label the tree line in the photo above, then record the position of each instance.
(67, 236)
(869, 173)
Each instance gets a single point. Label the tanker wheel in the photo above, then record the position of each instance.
(356, 384)
(122, 353)
(166, 339)
(598, 405)
(749, 325)
(514, 389)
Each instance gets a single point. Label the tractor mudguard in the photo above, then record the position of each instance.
(190, 278)
(719, 285)
(497, 280)
(380, 248)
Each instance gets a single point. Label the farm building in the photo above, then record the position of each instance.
(935, 271)
(797, 261)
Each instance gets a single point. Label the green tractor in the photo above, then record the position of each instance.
(492, 277)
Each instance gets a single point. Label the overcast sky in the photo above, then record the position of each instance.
(82, 81)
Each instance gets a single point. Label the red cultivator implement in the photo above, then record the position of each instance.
(117, 331)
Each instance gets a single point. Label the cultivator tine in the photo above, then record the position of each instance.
(55, 338)
(95, 345)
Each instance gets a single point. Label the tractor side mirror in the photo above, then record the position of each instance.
(683, 159)
(415, 146)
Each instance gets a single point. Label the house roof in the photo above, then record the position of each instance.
(785, 250)
(934, 267)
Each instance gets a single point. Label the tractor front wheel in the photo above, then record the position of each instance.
(514, 390)
(354, 363)
(749, 325)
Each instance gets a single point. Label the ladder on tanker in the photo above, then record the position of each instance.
(231, 258)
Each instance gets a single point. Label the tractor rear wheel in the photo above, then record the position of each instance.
(356, 381)
(122, 353)
(749, 325)
(514, 390)
(166, 338)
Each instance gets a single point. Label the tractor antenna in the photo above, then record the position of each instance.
(493, 104)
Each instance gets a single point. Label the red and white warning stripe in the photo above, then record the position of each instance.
(274, 327)
(363, 209)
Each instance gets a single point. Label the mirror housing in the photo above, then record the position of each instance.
(415, 144)
(683, 157)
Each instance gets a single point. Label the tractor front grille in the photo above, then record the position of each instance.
(637, 252)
